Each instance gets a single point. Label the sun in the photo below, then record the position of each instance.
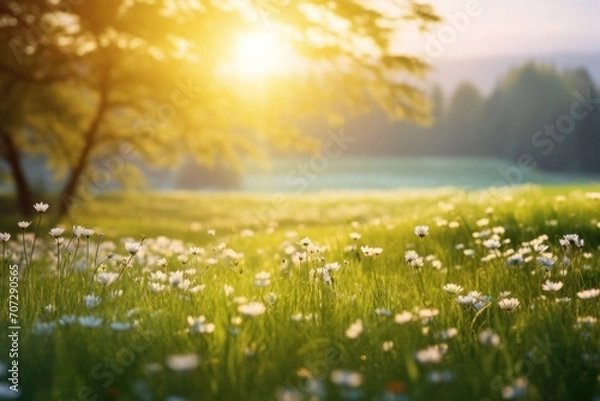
(260, 53)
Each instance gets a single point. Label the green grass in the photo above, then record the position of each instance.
(258, 359)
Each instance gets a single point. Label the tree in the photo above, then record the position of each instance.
(103, 83)
(587, 119)
(522, 117)
(462, 120)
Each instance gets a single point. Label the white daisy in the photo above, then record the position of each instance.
(252, 309)
(508, 303)
(551, 286)
(421, 231)
(588, 294)
(41, 207)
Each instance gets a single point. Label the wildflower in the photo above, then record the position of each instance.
(588, 294)
(90, 321)
(515, 259)
(107, 278)
(78, 231)
(441, 222)
(228, 290)
(403, 317)
(387, 346)
(88, 232)
(446, 334)
(332, 267)
(23, 224)
(428, 313)
(564, 243)
(355, 236)
(345, 378)
(545, 262)
(158, 276)
(355, 329)
(430, 355)
(421, 231)
(197, 289)
(305, 242)
(413, 259)
(489, 337)
(67, 319)
(41, 207)
(199, 325)
(475, 299)
(516, 390)
(572, 239)
(586, 321)
(180, 362)
(299, 257)
(312, 248)
(508, 303)
(482, 222)
(162, 262)
(195, 251)
(56, 232)
(491, 244)
(156, 287)
(91, 301)
(120, 326)
(552, 286)
(176, 278)
(262, 279)
(453, 289)
(133, 247)
(383, 312)
(252, 309)
(211, 232)
(43, 328)
(4, 237)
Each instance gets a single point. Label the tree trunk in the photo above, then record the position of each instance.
(18, 173)
(68, 196)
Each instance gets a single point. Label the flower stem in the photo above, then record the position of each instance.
(37, 228)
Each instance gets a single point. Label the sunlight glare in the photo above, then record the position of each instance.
(260, 53)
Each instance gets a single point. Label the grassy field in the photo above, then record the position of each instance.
(308, 297)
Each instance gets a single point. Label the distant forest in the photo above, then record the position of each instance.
(535, 112)
(552, 116)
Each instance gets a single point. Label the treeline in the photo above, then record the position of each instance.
(553, 116)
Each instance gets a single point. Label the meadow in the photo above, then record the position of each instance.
(384, 295)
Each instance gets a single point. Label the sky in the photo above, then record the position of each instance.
(511, 27)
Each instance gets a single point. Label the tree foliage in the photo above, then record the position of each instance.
(92, 86)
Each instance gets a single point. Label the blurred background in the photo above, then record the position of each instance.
(295, 96)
